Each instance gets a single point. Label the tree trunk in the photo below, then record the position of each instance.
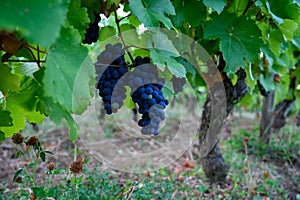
(213, 163)
(281, 111)
(213, 117)
(266, 117)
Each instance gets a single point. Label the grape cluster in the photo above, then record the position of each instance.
(92, 33)
(178, 84)
(146, 85)
(111, 66)
(143, 81)
(151, 104)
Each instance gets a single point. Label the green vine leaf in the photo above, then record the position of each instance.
(19, 114)
(283, 9)
(151, 12)
(9, 81)
(163, 53)
(38, 21)
(164, 58)
(57, 113)
(22, 106)
(217, 5)
(78, 16)
(128, 103)
(239, 39)
(107, 32)
(275, 41)
(92, 6)
(111, 3)
(190, 11)
(69, 75)
(267, 82)
(288, 27)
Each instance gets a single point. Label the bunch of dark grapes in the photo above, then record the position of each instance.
(151, 104)
(111, 66)
(262, 90)
(92, 33)
(178, 84)
(146, 84)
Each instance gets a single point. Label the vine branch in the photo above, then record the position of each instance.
(121, 37)
(250, 3)
(132, 46)
(124, 17)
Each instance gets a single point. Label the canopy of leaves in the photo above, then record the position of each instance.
(38, 21)
(239, 39)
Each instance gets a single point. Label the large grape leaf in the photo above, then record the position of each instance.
(217, 5)
(78, 16)
(38, 21)
(191, 11)
(57, 113)
(69, 74)
(239, 39)
(9, 81)
(152, 12)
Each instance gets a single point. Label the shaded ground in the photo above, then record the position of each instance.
(254, 169)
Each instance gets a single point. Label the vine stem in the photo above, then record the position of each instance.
(250, 3)
(38, 54)
(22, 157)
(121, 37)
(124, 17)
(37, 154)
(36, 49)
(132, 46)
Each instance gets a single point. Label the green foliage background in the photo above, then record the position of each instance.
(262, 37)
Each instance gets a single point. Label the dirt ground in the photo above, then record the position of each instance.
(56, 139)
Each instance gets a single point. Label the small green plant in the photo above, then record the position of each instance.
(30, 151)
